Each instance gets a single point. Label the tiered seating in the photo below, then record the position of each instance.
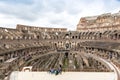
(9, 33)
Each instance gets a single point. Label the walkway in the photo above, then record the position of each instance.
(63, 76)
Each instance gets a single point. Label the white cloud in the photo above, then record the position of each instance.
(54, 13)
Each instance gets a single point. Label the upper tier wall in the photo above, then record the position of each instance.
(101, 22)
(41, 29)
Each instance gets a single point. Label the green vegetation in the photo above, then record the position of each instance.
(65, 63)
(76, 64)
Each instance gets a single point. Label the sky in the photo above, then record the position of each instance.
(52, 13)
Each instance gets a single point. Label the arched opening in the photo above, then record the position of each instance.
(66, 54)
(116, 36)
(72, 37)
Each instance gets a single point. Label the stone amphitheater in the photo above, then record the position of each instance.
(93, 47)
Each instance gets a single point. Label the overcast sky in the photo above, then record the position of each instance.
(52, 13)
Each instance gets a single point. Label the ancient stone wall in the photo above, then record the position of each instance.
(102, 22)
(41, 29)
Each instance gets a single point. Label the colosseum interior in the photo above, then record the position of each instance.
(94, 44)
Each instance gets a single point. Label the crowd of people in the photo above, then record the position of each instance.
(56, 71)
